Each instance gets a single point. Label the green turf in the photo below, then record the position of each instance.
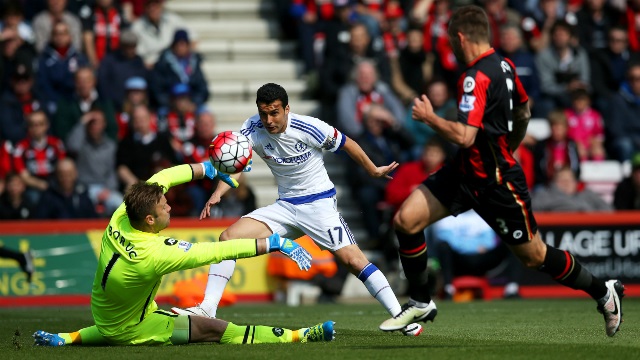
(525, 329)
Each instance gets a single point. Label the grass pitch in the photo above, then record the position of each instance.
(518, 329)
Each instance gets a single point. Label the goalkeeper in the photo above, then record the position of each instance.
(133, 259)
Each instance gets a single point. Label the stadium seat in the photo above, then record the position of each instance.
(539, 128)
(477, 284)
(601, 177)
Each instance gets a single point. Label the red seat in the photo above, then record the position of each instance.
(479, 285)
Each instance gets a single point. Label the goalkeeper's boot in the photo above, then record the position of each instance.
(410, 313)
(43, 338)
(414, 329)
(611, 308)
(195, 310)
(320, 332)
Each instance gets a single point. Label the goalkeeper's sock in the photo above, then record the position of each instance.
(259, 334)
(379, 288)
(219, 275)
(87, 336)
(413, 256)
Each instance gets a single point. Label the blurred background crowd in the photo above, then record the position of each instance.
(98, 94)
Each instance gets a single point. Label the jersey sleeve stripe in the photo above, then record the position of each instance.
(315, 136)
(308, 126)
(343, 139)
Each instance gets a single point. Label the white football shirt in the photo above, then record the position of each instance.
(295, 156)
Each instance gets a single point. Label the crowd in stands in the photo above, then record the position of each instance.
(97, 95)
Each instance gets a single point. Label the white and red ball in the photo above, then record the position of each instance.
(230, 152)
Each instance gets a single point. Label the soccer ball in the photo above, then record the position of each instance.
(230, 152)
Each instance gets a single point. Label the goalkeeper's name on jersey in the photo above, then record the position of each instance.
(116, 237)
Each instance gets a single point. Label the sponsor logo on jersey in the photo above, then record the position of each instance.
(170, 241)
(517, 234)
(298, 159)
(184, 245)
(466, 103)
(300, 146)
(277, 332)
(468, 84)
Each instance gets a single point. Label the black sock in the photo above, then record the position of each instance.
(566, 270)
(413, 256)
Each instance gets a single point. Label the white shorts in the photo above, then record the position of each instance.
(319, 219)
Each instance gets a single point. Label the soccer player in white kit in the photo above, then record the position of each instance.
(292, 146)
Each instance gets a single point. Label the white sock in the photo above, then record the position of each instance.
(379, 288)
(219, 275)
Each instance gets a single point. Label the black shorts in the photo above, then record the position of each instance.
(505, 207)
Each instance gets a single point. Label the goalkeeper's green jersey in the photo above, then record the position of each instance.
(132, 263)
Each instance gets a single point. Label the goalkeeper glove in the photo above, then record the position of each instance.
(248, 167)
(291, 249)
(211, 173)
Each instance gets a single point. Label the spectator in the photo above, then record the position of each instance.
(595, 19)
(337, 30)
(436, 41)
(6, 162)
(179, 65)
(117, 67)
(466, 245)
(540, 18)
(443, 105)
(371, 14)
(95, 155)
(356, 97)
(66, 198)
(13, 21)
(310, 17)
(632, 24)
(235, 204)
(143, 149)
(393, 25)
(135, 94)
(132, 9)
(585, 126)
(562, 68)
(412, 69)
(622, 123)
(13, 203)
(43, 25)
(609, 66)
(499, 16)
(512, 47)
(16, 52)
(563, 195)
(35, 157)
(16, 104)
(85, 99)
(557, 151)
(411, 174)
(57, 66)
(384, 140)
(196, 150)
(339, 65)
(102, 25)
(155, 29)
(180, 121)
(627, 194)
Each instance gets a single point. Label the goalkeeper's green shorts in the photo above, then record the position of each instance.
(158, 328)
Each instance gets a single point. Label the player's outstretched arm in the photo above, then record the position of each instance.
(221, 189)
(458, 133)
(521, 115)
(359, 156)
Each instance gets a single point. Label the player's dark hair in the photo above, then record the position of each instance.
(141, 200)
(271, 92)
(471, 21)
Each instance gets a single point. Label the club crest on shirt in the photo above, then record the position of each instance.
(466, 103)
(170, 241)
(468, 84)
(300, 146)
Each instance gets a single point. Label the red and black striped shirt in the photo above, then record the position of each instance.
(487, 92)
(39, 159)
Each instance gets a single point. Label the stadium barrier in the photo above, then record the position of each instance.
(66, 257)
